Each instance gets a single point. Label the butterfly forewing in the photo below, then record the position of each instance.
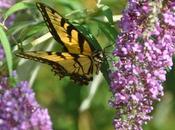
(64, 32)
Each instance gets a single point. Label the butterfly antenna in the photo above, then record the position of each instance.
(108, 52)
(105, 49)
(109, 56)
(111, 45)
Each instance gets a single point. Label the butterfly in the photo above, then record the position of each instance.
(79, 60)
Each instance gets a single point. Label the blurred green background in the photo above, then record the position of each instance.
(63, 98)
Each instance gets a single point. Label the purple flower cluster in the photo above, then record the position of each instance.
(19, 109)
(145, 48)
(1, 53)
(5, 4)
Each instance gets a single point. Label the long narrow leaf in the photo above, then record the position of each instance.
(6, 45)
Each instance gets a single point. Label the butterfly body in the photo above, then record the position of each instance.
(79, 60)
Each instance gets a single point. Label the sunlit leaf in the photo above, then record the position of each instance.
(106, 11)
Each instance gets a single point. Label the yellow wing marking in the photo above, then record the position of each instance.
(80, 64)
(68, 34)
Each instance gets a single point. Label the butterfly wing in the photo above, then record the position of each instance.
(77, 60)
(80, 68)
(64, 32)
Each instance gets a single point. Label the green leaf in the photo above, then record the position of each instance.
(6, 45)
(32, 30)
(106, 11)
(20, 25)
(109, 30)
(84, 30)
(16, 7)
(105, 66)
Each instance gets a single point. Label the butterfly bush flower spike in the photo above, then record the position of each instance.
(145, 48)
(19, 109)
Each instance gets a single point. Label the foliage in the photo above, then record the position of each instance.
(63, 98)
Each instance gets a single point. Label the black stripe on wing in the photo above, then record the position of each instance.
(42, 9)
(80, 37)
(60, 70)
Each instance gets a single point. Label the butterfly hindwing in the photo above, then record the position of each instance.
(80, 68)
(64, 32)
